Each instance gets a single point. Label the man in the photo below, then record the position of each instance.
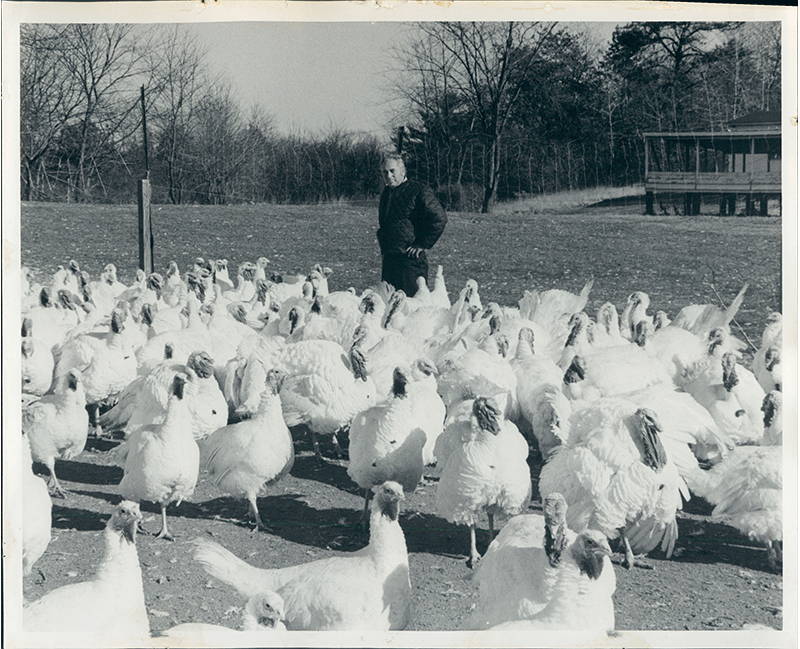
(410, 221)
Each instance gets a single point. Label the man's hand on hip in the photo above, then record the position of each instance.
(414, 253)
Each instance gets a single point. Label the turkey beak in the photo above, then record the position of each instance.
(268, 620)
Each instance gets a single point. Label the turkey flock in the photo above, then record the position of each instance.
(624, 417)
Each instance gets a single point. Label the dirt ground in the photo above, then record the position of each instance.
(717, 580)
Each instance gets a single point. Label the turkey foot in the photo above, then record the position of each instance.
(629, 560)
(255, 516)
(336, 448)
(474, 557)
(55, 488)
(163, 533)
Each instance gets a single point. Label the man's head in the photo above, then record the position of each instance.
(393, 170)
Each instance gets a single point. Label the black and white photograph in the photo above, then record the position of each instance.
(422, 317)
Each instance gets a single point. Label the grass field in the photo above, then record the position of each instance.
(716, 580)
(674, 259)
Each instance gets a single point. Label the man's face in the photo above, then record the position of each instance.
(394, 172)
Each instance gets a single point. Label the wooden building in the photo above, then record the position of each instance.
(742, 161)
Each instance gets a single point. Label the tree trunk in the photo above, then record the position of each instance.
(27, 181)
(491, 176)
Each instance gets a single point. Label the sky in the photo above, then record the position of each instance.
(311, 76)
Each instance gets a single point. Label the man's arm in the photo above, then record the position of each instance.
(431, 219)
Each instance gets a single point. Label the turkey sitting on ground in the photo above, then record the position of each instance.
(617, 477)
(520, 570)
(244, 457)
(37, 510)
(386, 441)
(57, 425)
(486, 472)
(115, 593)
(746, 488)
(579, 601)
(163, 460)
(364, 590)
(263, 613)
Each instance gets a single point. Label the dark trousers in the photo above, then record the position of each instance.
(401, 271)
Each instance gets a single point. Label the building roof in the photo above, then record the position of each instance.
(760, 119)
(740, 134)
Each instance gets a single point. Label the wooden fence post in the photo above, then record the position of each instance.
(145, 231)
(144, 195)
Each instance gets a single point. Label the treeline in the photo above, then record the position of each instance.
(503, 110)
(491, 111)
(82, 137)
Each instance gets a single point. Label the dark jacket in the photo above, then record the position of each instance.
(409, 215)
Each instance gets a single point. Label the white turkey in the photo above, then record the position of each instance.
(37, 508)
(518, 574)
(552, 310)
(244, 457)
(487, 472)
(617, 477)
(324, 387)
(746, 488)
(263, 613)
(481, 371)
(544, 410)
(730, 393)
(163, 460)
(364, 590)
(114, 593)
(386, 441)
(37, 362)
(579, 600)
(57, 425)
(439, 296)
(106, 362)
(144, 401)
(635, 312)
(767, 359)
(700, 319)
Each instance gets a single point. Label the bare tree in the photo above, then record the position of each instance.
(424, 86)
(48, 97)
(105, 61)
(763, 40)
(487, 61)
(222, 144)
(179, 70)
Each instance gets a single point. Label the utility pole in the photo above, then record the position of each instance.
(144, 196)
